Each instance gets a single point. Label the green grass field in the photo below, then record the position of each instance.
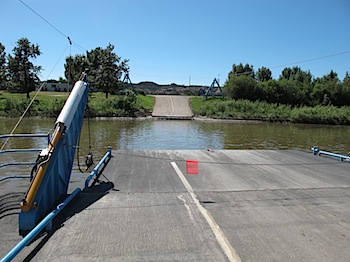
(49, 104)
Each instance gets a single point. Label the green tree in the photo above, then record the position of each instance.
(346, 80)
(346, 89)
(74, 67)
(23, 73)
(327, 90)
(62, 80)
(105, 68)
(296, 74)
(300, 82)
(263, 74)
(289, 93)
(52, 81)
(2, 67)
(241, 87)
(237, 70)
(280, 91)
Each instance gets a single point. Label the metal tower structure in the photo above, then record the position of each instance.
(214, 89)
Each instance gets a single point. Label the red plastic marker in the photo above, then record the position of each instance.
(192, 167)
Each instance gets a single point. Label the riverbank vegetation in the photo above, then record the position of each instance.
(50, 104)
(295, 97)
(294, 87)
(261, 110)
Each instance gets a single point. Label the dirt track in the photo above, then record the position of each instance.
(172, 107)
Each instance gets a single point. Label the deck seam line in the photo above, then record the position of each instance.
(224, 243)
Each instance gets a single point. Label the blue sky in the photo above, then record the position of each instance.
(186, 41)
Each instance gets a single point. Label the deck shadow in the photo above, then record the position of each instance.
(9, 204)
(78, 204)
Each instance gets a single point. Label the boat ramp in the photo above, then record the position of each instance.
(234, 205)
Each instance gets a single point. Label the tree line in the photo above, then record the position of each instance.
(18, 73)
(294, 86)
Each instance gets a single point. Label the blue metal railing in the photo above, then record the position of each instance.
(11, 177)
(97, 171)
(26, 136)
(27, 150)
(318, 152)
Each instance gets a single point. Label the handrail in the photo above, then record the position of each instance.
(25, 136)
(10, 177)
(25, 150)
(317, 151)
(33, 233)
(17, 164)
(29, 150)
(99, 168)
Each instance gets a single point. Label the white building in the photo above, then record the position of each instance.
(57, 87)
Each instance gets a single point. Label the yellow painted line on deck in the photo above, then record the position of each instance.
(224, 243)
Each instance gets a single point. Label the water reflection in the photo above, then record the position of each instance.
(170, 135)
(175, 135)
(185, 135)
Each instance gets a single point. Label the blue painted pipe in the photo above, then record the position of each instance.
(96, 169)
(29, 150)
(32, 234)
(317, 151)
(10, 177)
(24, 135)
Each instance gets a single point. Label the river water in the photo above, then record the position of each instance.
(177, 135)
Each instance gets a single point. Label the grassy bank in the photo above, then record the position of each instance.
(244, 109)
(49, 104)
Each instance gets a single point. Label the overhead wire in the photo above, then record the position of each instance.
(79, 46)
(251, 72)
(53, 68)
(54, 27)
(41, 86)
(296, 63)
(312, 59)
(273, 67)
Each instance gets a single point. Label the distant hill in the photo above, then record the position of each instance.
(151, 88)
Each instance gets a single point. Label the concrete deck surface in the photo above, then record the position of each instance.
(249, 205)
